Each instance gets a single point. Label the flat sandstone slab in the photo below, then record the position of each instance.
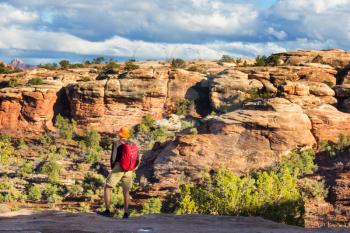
(51, 221)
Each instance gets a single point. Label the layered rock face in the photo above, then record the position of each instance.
(107, 105)
(27, 111)
(335, 57)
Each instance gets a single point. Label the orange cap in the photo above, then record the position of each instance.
(124, 132)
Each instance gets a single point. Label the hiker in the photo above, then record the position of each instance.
(124, 160)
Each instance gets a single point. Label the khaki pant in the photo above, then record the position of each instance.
(117, 175)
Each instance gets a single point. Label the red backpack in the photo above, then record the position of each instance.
(128, 160)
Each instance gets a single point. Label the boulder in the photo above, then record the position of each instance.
(242, 140)
(328, 123)
(296, 88)
(231, 88)
(320, 89)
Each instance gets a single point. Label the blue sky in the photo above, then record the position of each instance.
(41, 31)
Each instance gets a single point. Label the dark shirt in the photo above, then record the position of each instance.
(117, 149)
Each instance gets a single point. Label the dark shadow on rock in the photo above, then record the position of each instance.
(200, 95)
(62, 105)
(341, 74)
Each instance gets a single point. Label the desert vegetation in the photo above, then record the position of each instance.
(4, 69)
(274, 193)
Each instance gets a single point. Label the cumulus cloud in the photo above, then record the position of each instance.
(11, 15)
(167, 28)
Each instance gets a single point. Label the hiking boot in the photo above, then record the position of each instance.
(126, 215)
(106, 213)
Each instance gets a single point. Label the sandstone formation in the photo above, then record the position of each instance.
(259, 113)
(242, 140)
(333, 57)
(328, 123)
(27, 221)
(107, 105)
(27, 111)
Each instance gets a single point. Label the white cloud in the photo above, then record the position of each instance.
(20, 39)
(278, 34)
(167, 28)
(11, 15)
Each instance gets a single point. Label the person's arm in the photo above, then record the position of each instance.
(139, 158)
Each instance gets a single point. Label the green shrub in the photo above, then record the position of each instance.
(91, 146)
(259, 94)
(113, 65)
(48, 66)
(21, 144)
(66, 127)
(272, 60)
(329, 83)
(184, 107)
(194, 130)
(45, 140)
(130, 65)
(36, 81)
(92, 139)
(261, 60)
(35, 193)
(75, 190)
(13, 82)
(52, 149)
(227, 59)
(178, 63)
(148, 133)
(98, 60)
(92, 185)
(26, 169)
(342, 145)
(300, 163)
(85, 207)
(64, 64)
(8, 192)
(147, 124)
(52, 169)
(4, 69)
(313, 188)
(273, 194)
(52, 193)
(85, 79)
(62, 151)
(152, 206)
(193, 69)
(7, 151)
(92, 156)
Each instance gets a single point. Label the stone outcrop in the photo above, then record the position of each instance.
(107, 105)
(44, 221)
(231, 88)
(27, 111)
(241, 140)
(328, 123)
(334, 57)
